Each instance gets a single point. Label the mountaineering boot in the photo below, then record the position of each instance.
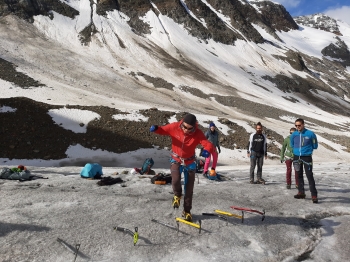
(299, 196)
(288, 186)
(187, 216)
(314, 199)
(176, 202)
(252, 181)
(205, 174)
(260, 181)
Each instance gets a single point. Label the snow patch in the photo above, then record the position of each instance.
(133, 115)
(7, 109)
(75, 120)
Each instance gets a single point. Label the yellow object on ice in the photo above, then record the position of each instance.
(188, 223)
(228, 214)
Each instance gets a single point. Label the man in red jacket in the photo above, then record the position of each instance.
(185, 137)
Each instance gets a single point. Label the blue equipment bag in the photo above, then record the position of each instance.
(91, 171)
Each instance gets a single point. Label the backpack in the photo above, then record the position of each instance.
(147, 165)
(91, 171)
(213, 175)
(15, 174)
(165, 178)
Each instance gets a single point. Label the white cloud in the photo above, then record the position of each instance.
(341, 13)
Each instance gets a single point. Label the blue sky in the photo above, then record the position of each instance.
(338, 9)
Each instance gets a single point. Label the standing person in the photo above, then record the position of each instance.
(213, 136)
(185, 136)
(303, 142)
(257, 150)
(287, 157)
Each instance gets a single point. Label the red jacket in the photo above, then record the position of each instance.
(184, 145)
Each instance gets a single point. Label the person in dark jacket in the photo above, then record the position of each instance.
(303, 142)
(287, 157)
(185, 136)
(257, 151)
(213, 136)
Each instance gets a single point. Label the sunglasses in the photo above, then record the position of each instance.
(298, 125)
(186, 127)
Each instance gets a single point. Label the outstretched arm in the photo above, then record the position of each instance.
(165, 130)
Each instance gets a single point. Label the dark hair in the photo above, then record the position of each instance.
(299, 120)
(258, 124)
(190, 119)
(292, 129)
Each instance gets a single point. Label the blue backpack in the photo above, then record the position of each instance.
(91, 171)
(146, 167)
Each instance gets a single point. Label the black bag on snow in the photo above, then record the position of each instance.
(147, 165)
(106, 181)
(162, 177)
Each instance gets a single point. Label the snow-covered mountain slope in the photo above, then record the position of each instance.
(242, 60)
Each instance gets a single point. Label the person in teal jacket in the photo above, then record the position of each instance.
(287, 157)
(303, 142)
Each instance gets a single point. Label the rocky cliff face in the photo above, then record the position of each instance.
(319, 21)
(27, 9)
(338, 51)
(268, 15)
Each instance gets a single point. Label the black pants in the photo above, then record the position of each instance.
(256, 159)
(306, 164)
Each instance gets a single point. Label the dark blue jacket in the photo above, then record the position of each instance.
(303, 143)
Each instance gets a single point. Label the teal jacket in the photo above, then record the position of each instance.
(303, 143)
(287, 150)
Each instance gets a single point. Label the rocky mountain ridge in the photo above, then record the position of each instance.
(319, 21)
(114, 26)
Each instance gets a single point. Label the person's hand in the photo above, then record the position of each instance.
(153, 128)
(248, 154)
(265, 157)
(282, 161)
(205, 153)
(219, 150)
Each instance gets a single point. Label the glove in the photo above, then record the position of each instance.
(219, 150)
(205, 153)
(282, 161)
(153, 128)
